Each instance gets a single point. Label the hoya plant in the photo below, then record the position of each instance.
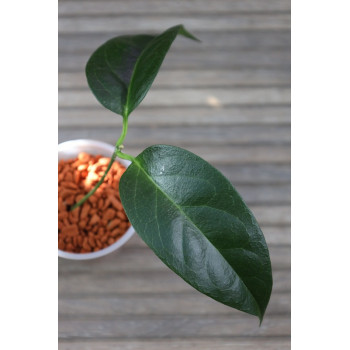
(185, 210)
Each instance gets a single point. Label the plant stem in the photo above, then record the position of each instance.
(124, 132)
(126, 156)
(117, 152)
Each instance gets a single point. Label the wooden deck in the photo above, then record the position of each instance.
(228, 100)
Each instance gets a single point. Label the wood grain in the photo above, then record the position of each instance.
(101, 284)
(134, 327)
(257, 174)
(185, 136)
(198, 78)
(190, 97)
(220, 155)
(178, 344)
(181, 115)
(195, 7)
(193, 303)
(126, 24)
(235, 40)
(198, 59)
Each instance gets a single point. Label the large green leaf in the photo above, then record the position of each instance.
(122, 70)
(190, 215)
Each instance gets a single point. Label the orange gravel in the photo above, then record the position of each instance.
(98, 222)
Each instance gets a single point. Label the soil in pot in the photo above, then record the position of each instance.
(98, 222)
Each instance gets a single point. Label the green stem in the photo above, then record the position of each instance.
(126, 156)
(117, 152)
(124, 132)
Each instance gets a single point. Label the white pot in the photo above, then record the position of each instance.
(70, 149)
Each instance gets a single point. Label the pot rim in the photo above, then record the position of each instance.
(71, 148)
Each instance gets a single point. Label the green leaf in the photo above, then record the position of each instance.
(194, 220)
(122, 70)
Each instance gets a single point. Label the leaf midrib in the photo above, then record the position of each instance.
(126, 107)
(112, 71)
(187, 217)
(126, 111)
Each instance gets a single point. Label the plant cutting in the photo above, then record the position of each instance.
(185, 210)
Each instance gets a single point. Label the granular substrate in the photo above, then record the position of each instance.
(99, 221)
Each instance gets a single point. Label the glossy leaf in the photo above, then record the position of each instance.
(194, 220)
(122, 70)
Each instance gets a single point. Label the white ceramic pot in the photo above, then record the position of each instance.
(70, 149)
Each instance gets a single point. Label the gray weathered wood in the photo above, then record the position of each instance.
(126, 24)
(134, 327)
(199, 58)
(196, 78)
(168, 116)
(100, 284)
(235, 154)
(108, 7)
(190, 136)
(178, 344)
(265, 194)
(83, 42)
(193, 303)
(190, 97)
(268, 215)
(257, 174)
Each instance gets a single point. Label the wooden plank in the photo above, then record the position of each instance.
(75, 281)
(190, 97)
(173, 326)
(277, 235)
(178, 344)
(257, 174)
(186, 135)
(88, 42)
(141, 259)
(126, 24)
(223, 155)
(260, 194)
(169, 116)
(193, 303)
(199, 59)
(268, 215)
(98, 7)
(196, 78)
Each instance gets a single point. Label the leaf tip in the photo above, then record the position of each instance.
(184, 32)
(260, 320)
